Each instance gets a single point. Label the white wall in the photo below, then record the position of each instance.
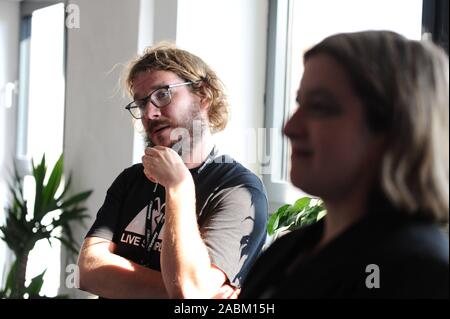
(9, 56)
(98, 137)
(230, 35)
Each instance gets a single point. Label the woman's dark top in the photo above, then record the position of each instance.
(381, 256)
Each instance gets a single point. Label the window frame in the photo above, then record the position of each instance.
(435, 21)
(277, 86)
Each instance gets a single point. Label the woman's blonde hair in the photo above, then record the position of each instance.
(404, 87)
(189, 67)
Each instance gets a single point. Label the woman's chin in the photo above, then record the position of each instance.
(305, 184)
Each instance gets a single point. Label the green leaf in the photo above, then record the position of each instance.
(66, 188)
(36, 285)
(49, 190)
(274, 219)
(9, 286)
(75, 199)
(273, 224)
(284, 215)
(16, 233)
(21, 235)
(291, 217)
(301, 204)
(39, 176)
(49, 242)
(19, 204)
(321, 214)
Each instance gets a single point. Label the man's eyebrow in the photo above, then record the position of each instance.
(152, 89)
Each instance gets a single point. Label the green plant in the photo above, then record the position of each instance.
(49, 218)
(288, 217)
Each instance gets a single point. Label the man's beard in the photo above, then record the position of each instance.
(182, 142)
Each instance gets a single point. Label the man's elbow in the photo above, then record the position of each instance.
(188, 289)
(85, 274)
(82, 274)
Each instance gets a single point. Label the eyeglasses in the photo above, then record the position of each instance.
(160, 97)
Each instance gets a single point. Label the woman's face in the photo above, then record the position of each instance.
(333, 150)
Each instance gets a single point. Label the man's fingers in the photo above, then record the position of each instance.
(149, 150)
(227, 292)
(235, 294)
(149, 176)
(156, 149)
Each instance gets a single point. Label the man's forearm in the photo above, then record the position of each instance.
(111, 276)
(185, 261)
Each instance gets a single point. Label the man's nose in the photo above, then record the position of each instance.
(151, 112)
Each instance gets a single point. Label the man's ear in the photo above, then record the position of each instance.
(205, 100)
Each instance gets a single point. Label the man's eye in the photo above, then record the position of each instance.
(141, 103)
(162, 94)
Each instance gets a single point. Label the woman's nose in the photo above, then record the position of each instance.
(295, 126)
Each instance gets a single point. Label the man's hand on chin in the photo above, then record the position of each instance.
(164, 166)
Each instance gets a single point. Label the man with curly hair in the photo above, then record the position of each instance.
(186, 222)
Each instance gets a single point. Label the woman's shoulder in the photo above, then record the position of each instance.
(269, 269)
(419, 238)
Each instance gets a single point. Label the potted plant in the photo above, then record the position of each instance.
(50, 218)
(304, 211)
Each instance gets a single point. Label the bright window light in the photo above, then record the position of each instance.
(45, 122)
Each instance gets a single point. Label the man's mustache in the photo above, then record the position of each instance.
(155, 123)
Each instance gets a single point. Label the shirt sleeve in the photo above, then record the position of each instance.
(234, 230)
(108, 215)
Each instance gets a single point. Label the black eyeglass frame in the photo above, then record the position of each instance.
(145, 100)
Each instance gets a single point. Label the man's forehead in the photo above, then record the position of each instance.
(146, 81)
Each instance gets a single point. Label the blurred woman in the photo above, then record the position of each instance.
(370, 137)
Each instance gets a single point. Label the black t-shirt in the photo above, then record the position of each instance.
(382, 256)
(231, 206)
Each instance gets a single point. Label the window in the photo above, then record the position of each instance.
(295, 26)
(41, 117)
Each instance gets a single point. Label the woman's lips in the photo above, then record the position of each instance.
(302, 152)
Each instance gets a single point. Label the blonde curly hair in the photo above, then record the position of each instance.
(189, 67)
